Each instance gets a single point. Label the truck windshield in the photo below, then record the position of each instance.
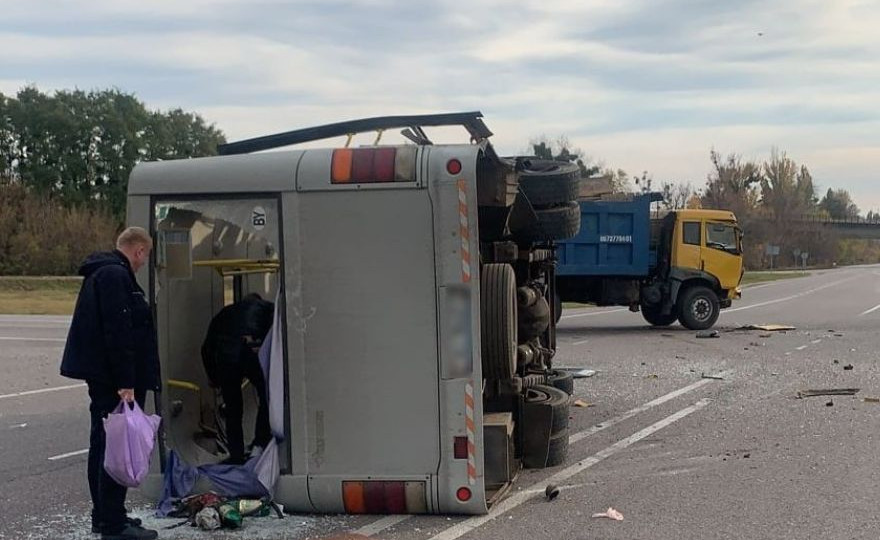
(722, 236)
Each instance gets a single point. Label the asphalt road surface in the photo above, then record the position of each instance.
(679, 455)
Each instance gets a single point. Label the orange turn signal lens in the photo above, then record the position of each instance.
(340, 170)
(353, 497)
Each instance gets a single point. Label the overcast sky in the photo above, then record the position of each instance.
(636, 84)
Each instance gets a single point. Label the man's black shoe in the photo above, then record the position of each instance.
(131, 532)
(96, 527)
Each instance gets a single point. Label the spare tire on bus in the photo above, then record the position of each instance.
(564, 380)
(498, 321)
(545, 418)
(546, 182)
(555, 223)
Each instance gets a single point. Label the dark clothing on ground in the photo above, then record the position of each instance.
(108, 497)
(229, 359)
(112, 338)
(111, 345)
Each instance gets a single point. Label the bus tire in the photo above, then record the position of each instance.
(558, 451)
(555, 223)
(498, 321)
(563, 380)
(545, 182)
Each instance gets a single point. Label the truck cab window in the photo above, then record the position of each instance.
(691, 230)
(722, 236)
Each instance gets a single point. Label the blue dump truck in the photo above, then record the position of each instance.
(686, 265)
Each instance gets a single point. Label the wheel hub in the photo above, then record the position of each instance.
(701, 309)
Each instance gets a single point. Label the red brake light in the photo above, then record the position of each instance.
(372, 165)
(362, 165)
(374, 497)
(395, 497)
(384, 497)
(453, 166)
(463, 494)
(383, 164)
(460, 447)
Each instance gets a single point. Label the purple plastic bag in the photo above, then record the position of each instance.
(130, 436)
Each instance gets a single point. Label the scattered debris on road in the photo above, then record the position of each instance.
(836, 361)
(578, 372)
(715, 377)
(848, 367)
(708, 334)
(611, 513)
(766, 335)
(871, 400)
(828, 392)
(581, 403)
(551, 492)
(830, 403)
(767, 327)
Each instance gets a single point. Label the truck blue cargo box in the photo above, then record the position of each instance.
(614, 240)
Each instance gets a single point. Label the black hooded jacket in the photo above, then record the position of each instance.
(112, 339)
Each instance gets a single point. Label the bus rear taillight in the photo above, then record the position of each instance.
(373, 165)
(378, 497)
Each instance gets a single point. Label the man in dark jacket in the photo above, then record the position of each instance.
(112, 345)
(229, 354)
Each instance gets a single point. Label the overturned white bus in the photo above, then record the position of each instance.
(414, 335)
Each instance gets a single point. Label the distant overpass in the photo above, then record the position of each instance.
(846, 228)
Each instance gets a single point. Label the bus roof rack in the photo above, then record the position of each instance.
(471, 121)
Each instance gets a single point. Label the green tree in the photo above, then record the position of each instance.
(839, 204)
(732, 185)
(677, 195)
(81, 146)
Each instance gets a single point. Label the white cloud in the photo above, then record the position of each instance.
(639, 84)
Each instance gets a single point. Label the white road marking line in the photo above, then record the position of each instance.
(872, 310)
(10, 338)
(792, 297)
(466, 526)
(42, 391)
(816, 341)
(375, 528)
(579, 436)
(581, 342)
(594, 313)
(380, 525)
(69, 454)
(802, 347)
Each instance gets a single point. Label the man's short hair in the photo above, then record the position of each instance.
(132, 237)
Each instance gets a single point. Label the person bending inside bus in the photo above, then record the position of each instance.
(229, 354)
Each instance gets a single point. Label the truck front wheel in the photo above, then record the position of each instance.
(698, 308)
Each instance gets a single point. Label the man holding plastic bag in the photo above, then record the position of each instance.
(112, 346)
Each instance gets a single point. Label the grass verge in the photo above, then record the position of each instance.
(759, 277)
(38, 295)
